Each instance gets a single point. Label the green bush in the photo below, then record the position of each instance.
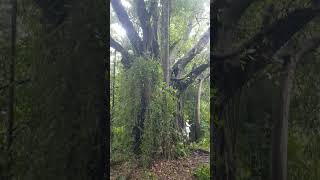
(159, 135)
(181, 149)
(159, 131)
(202, 172)
(142, 71)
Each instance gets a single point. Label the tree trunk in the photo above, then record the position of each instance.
(69, 95)
(114, 80)
(179, 120)
(219, 171)
(138, 129)
(280, 128)
(224, 141)
(229, 142)
(198, 104)
(11, 97)
(165, 40)
(102, 134)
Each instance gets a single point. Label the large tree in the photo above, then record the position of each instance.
(145, 44)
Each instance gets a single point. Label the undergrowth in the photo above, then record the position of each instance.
(202, 172)
(159, 134)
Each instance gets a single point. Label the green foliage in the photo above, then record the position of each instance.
(204, 142)
(303, 146)
(184, 12)
(159, 132)
(143, 71)
(303, 156)
(182, 149)
(189, 98)
(203, 172)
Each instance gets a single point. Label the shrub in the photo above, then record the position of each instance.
(203, 172)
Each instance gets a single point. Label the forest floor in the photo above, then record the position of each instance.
(182, 168)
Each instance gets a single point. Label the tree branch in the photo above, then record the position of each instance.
(182, 62)
(184, 82)
(173, 45)
(226, 14)
(275, 34)
(127, 24)
(304, 47)
(126, 56)
(283, 29)
(144, 19)
(265, 44)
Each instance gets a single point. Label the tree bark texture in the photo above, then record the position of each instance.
(280, 129)
(165, 40)
(70, 95)
(198, 111)
(11, 95)
(138, 129)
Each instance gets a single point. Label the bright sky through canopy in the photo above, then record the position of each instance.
(125, 3)
(118, 29)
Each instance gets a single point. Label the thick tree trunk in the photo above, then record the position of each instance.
(225, 139)
(280, 129)
(198, 104)
(103, 134)
(229, 141)
(138, 129)
(165, 40)
(11, 96)
(69, 95)
(224, 162)
(219, 172)
(222, 42)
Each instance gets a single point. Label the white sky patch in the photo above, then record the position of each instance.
(207, 10)
(193, 32)
(206, 14)
(118, 29)
(113, 59)
(125, 3)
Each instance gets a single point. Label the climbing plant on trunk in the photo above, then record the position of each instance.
(147, 47)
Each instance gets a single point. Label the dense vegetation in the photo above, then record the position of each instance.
(156, 85)
(54, 89)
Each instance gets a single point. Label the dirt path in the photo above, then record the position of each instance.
(182, 168)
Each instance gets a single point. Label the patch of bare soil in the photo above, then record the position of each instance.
(182, 168)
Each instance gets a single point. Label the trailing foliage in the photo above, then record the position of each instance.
(159, 135)
(142, 72)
